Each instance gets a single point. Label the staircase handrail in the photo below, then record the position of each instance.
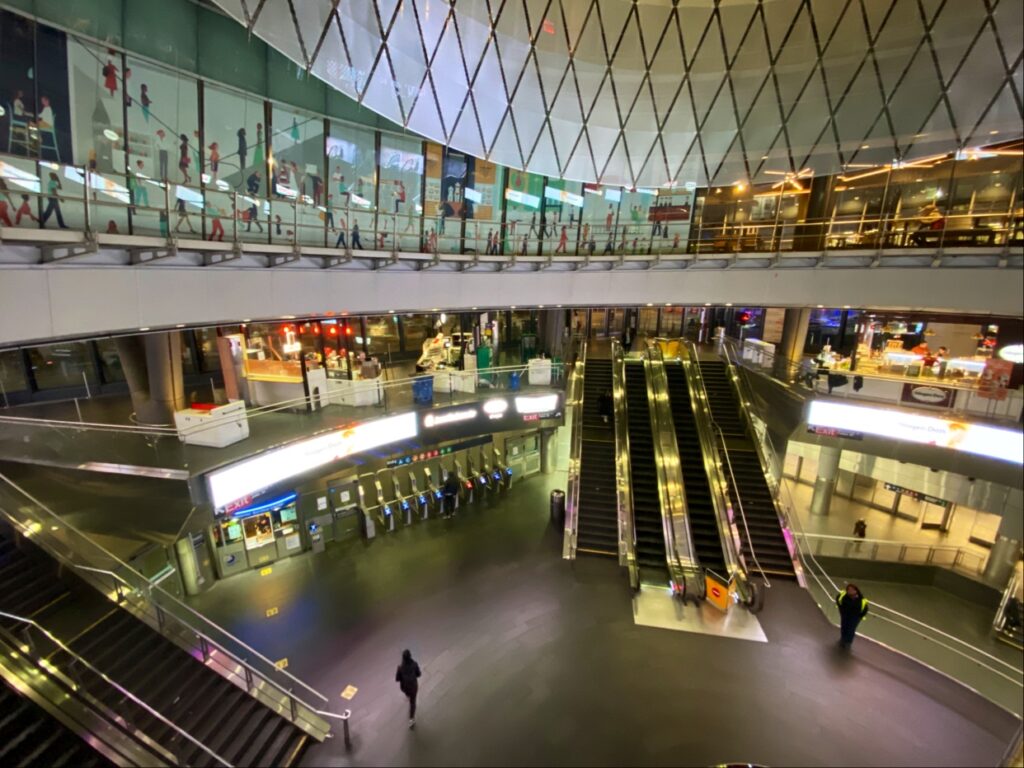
(572, 493)
(681, 557)
(145, 588)
(623, 481)
(116, 686)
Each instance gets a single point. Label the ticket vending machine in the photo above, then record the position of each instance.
(349, 522)
(419, 499)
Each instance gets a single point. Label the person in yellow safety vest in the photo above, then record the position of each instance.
(853, 607)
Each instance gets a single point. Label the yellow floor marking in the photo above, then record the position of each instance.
(266, 571)
(271, 612)
(281, 664)
(349, 692)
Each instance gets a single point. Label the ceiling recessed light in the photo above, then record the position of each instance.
(144, 329)
(540, 306)
(865, 146)
(512, 307)
(287, 317)
(179, 325)
(112, 135)
(846, 306)
(668, 303)
(821, 306)
(992, 133)
(391, 311)
(247, 320)
(650, 303)
(473, 308)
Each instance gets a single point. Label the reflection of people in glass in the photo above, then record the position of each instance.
(252, 216)
(110, 77)
(257, 152)
(340, 243)
(183, 218)
(253, 183)
(356, 242)
(25, 209)
(217, 229)
(563, 240)
(956, 434)
(162, 152)
(140, 195)
(19, 105)
(243, 149)
(184, 159)
(45, 121)
(5, 205)
(145, 101)
(214, 159)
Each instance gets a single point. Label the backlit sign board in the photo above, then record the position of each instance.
(251, 476)
(563, 196)
(530, 201)
(978, 439)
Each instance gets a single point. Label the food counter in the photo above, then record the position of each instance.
(214, 426)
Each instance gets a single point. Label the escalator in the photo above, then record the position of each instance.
(700, 508)
(647, 519)
(116, 645)
(750, 486)
(597, 527)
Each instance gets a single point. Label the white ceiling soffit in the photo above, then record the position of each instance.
(654, 91)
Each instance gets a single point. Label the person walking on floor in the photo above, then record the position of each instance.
(450, 491)
(356, 242)
(407, 676)
(853, 607)
(53, 188)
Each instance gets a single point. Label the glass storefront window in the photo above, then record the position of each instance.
(382, 335)
(416, 329)
(297, 162)
(235, 124)
(110, 360)
(12, 372)
(561, 216)
(599, 214)
(669, 220)
(636, 233)
(206, 345)
(671, 321)
(522, 212)
(855, 218)
(162, 107)
(55, 366)
(401, 206)
(352, 195)
(273, 352)
(985, 206)
(916, 203)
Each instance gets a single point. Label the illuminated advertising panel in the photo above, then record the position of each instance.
(824, 417)
(249, 477)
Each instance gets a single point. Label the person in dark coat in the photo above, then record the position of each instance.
(853, 607)
(407, 676)
(450, 490)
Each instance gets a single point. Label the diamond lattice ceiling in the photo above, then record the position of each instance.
(642, 93)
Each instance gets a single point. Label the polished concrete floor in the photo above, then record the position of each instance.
(531, 660)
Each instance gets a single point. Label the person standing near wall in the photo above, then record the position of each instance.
(853, 607)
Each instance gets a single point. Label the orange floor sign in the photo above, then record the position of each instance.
(717, 593)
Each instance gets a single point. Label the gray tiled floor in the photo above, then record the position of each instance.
(532, 660)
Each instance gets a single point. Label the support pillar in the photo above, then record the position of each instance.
(152, 367)
(1007, 548)
(790, 350)
(825, 482)
(548, 450)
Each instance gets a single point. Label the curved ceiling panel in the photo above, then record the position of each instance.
(654, 91)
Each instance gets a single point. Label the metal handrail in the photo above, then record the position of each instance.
(164, 596)
(623, 472)
(833, 588)
(700, 403)
(575, 406)
(739, 501)
(903, 545)
(117, 686)
(680, 552)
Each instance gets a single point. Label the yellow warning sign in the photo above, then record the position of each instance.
(349, 692)
(281, 663)
(271, 612)
(717, 592)
(266, 571)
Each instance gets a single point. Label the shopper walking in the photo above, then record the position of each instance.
(407, 676)
(450, 491)
(356, 242)
(243, 150)
(853, 607)
(183, 218)
(53, 188)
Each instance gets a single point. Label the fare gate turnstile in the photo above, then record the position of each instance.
(420, 499)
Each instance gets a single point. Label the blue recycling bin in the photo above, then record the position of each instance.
(423, 390)
(513, 381)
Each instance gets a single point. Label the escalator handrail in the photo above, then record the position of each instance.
(739, 502)
(712, 464)
(680, 553)
(739, 383)
(623, 477)
(116, 686)
(575, 450)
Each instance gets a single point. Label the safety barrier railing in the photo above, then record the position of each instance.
(95, 444)
(890, 551)
(994, 678)
(218, 648)
(807, 378)
(257, 210)
(67, 675)
(574, 408)
(680, 554)
(623, 476)
(728, 532)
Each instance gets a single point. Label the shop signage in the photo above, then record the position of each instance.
(497, 414)
(978, 439)
(1013, 352)
(995, 379)
(918, 495)
(433, 453)
(928, 394)
(774, 320)
(432, 420)
(251, 476)
(537, 403)
(847, 434)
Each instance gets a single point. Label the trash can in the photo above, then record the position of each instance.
(513, 381)
(423, 390)
(558, 508)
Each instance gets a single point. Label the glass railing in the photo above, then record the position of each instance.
(49, 195)
(214, 645)
(962, 559)
(94, 445)
(964, 395)
(623, 481)
(574, 410)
